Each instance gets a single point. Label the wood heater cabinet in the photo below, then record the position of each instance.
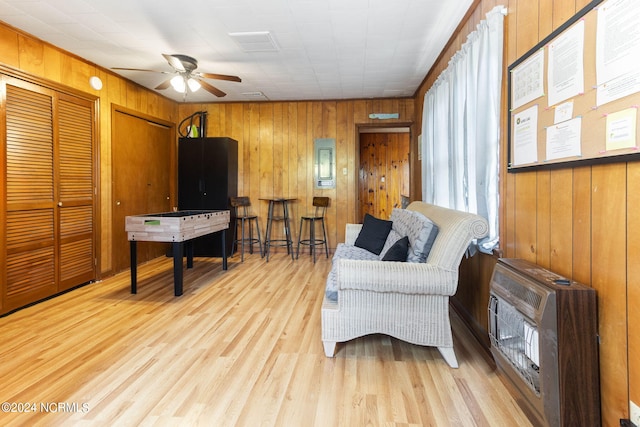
(208, 179)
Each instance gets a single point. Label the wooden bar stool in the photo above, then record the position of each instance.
(284, 218)
(242, 208)
(320, 207)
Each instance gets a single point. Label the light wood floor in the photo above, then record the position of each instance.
(240, 347)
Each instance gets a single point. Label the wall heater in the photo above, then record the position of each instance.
(543, 331)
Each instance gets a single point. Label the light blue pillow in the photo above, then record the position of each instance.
(421, 231)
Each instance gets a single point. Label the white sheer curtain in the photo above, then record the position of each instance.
(461, 128)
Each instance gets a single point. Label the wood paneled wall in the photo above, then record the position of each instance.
(44, 61)
(275, 150)
(581, 222)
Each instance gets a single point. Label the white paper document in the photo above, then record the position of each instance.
(563, 112)
(525, 136)
(617, 50)
(625, 85)
(527, 80)
(617, 39)
(566, 65)
(563, 139)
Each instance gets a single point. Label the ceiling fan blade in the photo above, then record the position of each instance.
(220, 77)
(212, 89)
(165, 84)
(174, 62)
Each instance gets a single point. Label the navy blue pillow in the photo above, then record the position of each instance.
(398, 252)
(373, 234)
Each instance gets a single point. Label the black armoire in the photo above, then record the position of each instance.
(207, 179)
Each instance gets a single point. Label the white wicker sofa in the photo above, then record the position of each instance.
(406, 300)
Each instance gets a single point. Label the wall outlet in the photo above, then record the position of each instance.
(634, 413)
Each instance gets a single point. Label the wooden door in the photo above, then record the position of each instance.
(76, 192)
(383, 176)
(141, 158)
(49, 193)
(30, 206)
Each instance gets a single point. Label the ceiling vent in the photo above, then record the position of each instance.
(255, 41)
(257, 94)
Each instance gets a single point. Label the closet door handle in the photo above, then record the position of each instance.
(60, 204)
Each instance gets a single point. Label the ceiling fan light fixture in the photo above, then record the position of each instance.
(184, 78)
(178, 84)
(193, 84)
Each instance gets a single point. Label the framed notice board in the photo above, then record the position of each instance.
(574, 97)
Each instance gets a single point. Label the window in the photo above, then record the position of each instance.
(461, 128)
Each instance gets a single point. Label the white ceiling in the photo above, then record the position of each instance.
(328, 49)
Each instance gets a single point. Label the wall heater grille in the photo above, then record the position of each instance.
(517, 339)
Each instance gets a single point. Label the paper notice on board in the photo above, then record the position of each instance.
(625, 85)
(617, 50)
(617, 39)
(621, 129)
(527, 80)
(525, 136)
(566, 65)
(563, 112)
(564, 139)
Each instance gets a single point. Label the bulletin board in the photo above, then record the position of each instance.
(574, 97)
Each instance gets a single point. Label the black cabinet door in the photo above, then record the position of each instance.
(207, 179)
(219, 172)
(190, 174)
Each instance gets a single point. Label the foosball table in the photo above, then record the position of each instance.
(178, 228)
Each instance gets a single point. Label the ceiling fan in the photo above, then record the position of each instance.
(186, 77)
